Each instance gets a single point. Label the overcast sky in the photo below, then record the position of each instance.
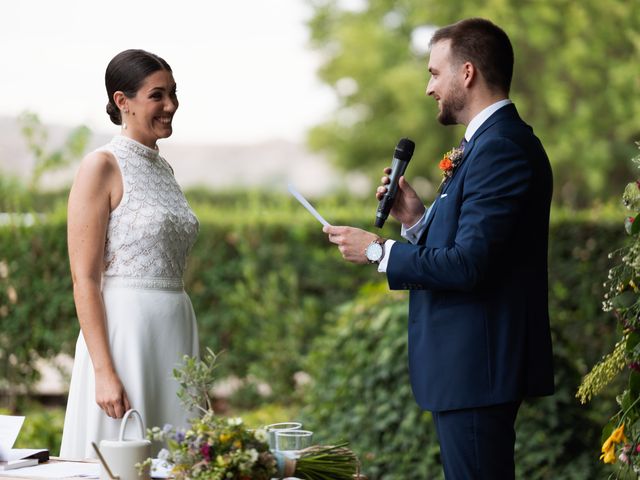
(244, 70)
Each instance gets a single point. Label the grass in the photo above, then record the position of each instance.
(267, 414)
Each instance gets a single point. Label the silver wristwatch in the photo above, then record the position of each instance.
(375, 251)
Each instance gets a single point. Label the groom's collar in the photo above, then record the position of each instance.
(477, 121)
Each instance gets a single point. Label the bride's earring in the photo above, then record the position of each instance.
(124, 123)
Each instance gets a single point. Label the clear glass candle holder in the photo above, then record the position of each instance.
(290, 442)
(277, 427)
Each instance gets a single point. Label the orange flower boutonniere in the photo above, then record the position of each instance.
(448, 164)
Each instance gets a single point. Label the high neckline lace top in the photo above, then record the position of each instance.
(152, 230)
(136, 148)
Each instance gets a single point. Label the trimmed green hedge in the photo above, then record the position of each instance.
(37, 314)
(261, 285)
(277, 298)
(261, 277)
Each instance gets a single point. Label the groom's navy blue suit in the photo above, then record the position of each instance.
(478, 316)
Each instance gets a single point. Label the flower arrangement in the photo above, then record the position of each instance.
(449, 163)
(217, 448)
(621, 436)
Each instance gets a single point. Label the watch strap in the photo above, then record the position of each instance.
(382, 242)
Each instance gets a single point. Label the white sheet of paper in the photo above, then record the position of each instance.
(58, 470)
(9, 429)
(307, 205)
(15, 464)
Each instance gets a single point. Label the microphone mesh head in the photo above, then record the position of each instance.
(404, 149)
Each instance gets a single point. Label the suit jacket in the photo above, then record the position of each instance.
(478, 314)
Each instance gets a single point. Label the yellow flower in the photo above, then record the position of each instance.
(224, 437)
(609, 456)
(618, 435)
(609, 446)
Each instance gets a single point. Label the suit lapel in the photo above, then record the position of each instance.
(505, 112)
(443, 192)
(434, 207)
(467, 153)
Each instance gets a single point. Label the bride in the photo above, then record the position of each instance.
(130, 230)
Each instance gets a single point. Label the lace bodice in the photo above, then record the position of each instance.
(152, 230)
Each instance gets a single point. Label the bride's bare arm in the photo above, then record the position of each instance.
(96, 190)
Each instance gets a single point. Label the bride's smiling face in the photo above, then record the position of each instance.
(151, 111)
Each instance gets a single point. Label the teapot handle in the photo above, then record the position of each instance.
(125, 419)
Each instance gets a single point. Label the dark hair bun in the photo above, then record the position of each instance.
(126, 73)
(114, 113)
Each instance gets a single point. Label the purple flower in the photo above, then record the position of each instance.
(179, 436)
(205, 450)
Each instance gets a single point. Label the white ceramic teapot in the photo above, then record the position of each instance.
(122, 455)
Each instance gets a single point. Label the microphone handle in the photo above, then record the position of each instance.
(398, 167)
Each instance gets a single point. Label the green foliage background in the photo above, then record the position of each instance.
(575, 81)
(271, 293)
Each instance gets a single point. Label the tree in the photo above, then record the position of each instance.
(36, 135)
(575, 82)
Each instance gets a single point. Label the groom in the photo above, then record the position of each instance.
(476, 264)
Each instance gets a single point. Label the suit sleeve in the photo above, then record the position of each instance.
(494, 191)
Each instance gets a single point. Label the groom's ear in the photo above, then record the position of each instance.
(470, 74)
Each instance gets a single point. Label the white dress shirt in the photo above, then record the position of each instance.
(413, 233)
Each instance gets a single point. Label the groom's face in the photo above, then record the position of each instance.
(445, 84)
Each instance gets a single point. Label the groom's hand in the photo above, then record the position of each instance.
(352, 242)
(407, 206)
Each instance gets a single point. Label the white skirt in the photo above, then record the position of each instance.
(151, 326)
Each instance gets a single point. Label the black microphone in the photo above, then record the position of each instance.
(401, 156)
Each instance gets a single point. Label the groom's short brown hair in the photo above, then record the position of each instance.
(485, 45)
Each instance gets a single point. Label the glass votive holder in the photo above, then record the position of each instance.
(290, 442)
(277, 427)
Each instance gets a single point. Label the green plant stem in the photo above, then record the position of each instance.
(624, 414)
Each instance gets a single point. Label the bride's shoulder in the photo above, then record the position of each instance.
(99, 161)
(99, 167)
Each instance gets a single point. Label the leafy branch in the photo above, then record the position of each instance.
(36, 135)
(196, 378)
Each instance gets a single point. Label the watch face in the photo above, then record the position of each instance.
(374, 252)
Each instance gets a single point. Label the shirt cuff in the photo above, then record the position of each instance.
(382, 266)
(414, 232)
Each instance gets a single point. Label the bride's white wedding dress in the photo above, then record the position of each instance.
(150, 321)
